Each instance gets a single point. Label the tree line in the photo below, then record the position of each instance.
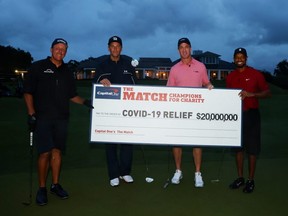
(14, 59)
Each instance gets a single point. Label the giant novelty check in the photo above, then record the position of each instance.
(163, 115)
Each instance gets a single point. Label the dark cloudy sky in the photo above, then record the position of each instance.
(149, 28)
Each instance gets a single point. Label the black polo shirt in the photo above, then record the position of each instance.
(121, 72)
(51, 88)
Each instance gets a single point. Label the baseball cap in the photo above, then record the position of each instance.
(184, 40)
(59, 40)
(115, 39)
(240, 50)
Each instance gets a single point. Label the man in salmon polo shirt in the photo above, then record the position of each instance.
(188, 72)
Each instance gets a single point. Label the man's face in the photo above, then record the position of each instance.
(184, 50)
(240, 60)
(115, 49)
(59, 51)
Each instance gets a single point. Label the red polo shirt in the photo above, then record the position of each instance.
(249, 80)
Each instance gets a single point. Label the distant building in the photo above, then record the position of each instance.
(159, 68)
(87, 68)
(217, 69)
(154, 68)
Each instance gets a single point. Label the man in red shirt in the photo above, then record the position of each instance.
(253, 86)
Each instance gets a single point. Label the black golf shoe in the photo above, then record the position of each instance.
(57, 190)
(41, 197)
(237, 183)
(249, 187)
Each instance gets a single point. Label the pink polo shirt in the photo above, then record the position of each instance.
(193, 75)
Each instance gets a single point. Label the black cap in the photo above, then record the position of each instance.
(184, 40)
(59, 40)
(240, 50)
(115, 39)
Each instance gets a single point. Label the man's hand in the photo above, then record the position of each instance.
(88, 103)
(210, 86)
(31, 122)
(243, 94)
(105, 82)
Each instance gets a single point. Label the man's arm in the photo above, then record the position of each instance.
(262, 94)
(79, 100)
(29, 103)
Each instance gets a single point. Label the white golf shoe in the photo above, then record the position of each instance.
(177, 177)
(127, 178)
(114, 182)
(198, 180)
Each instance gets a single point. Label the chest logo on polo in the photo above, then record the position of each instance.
(48, 71)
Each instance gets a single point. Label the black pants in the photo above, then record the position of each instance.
(122, 166)
(251, 132)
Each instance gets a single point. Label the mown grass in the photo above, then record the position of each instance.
(84, 172)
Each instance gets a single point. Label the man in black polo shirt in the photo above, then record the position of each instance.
(48, 89)
(117, 70)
